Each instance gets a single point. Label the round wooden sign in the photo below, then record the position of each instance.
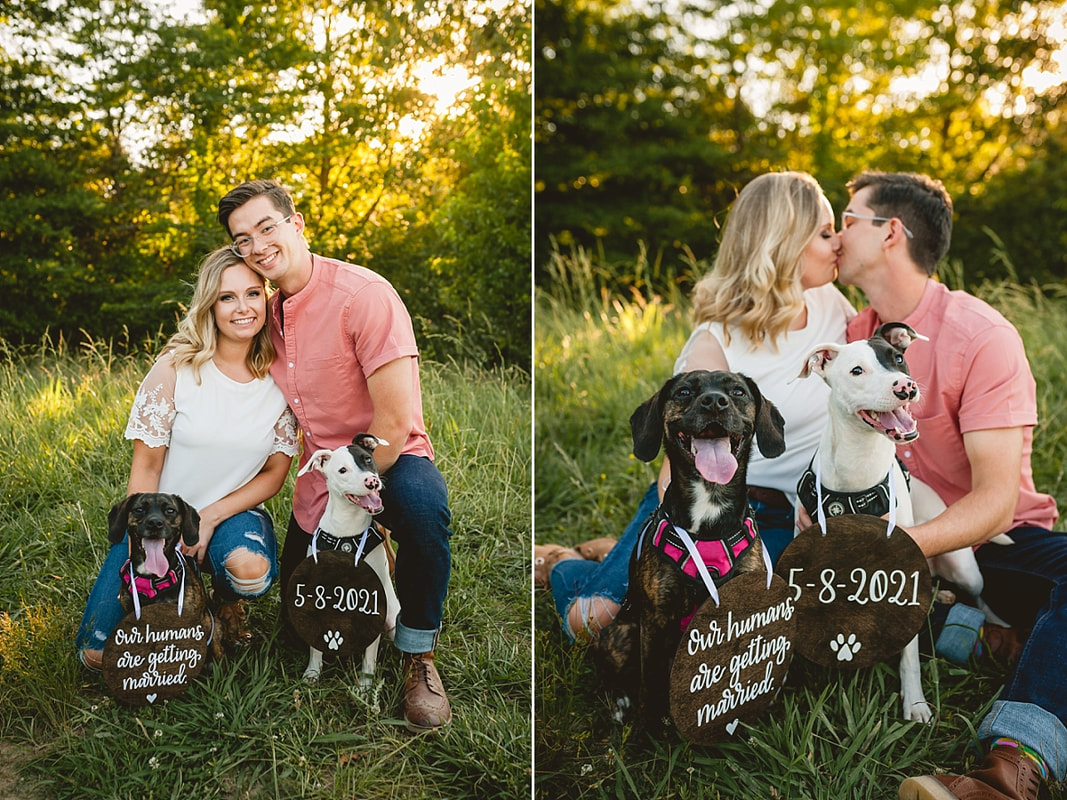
(156, 657)
(732, 660)
(860, 595)
(335, 605)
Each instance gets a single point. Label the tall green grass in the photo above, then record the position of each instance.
(252, 729)
(830, 734)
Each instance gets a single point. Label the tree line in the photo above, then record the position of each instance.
(123, 121)
(650, 116)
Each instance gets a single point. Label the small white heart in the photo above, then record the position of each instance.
(151, 698)
(732, 726)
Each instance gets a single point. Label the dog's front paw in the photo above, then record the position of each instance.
(622, 709)
(917, 710)
(311, 675)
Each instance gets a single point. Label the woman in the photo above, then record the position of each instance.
(768, 300)
(208, 423)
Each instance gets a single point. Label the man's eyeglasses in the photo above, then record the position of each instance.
(846, 214)
(244, 245)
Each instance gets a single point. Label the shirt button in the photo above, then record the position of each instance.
(296, 401)
(907, 454)
(291, 365)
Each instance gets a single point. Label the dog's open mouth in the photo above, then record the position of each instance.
(899, 425)
(370, 502)
(715, 457)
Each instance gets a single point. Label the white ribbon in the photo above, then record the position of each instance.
(705, 575)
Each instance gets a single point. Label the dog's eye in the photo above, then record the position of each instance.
(684, 391)
(170, 511)
(737, 391)
(342, 470)
(856, 371)
(898, 359)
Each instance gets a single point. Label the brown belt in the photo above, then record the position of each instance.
(772, 498)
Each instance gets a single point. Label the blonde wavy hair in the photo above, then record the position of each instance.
(197, 338)
(754, 284)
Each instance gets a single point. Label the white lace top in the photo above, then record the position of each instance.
(218, 434)
(803, 403)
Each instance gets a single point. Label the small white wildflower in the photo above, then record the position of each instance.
(153, 762)
(586, 769)
(219, 715)
(158, 733)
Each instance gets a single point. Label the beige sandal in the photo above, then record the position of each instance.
(596, 549)
(547, 556)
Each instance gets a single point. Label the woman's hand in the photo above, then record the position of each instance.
(208, 523)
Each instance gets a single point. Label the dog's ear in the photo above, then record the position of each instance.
(770, 424)
(116, 519)
(819, 359)
(899, 335)
(319, 459)
(646, 424)
(368, 441)
(190, 522)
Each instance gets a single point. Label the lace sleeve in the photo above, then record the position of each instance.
(153, 409)
(286, 434)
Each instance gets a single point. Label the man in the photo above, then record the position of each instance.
(347, 363)
(976, 421)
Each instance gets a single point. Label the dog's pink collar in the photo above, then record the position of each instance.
(139, 586)
(718, 555)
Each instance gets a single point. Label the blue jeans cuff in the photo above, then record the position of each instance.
(1033, 726)
(411, 640)
(960, 633)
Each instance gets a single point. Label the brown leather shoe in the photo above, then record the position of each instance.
(1005, 774)
(1001, 645)
(425, 703)
(233, 624)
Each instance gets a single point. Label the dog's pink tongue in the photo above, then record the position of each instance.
(155, 560)
(372, 502)
(714, 460)
(899, 420)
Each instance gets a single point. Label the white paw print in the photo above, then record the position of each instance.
(333, 639)
(845, 648)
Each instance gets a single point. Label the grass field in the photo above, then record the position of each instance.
(252, 729)
(830, 734)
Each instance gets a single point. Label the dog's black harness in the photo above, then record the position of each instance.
(362, 546)
(874, 501)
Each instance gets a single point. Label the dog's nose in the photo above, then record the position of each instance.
(713, 400)
(372, 482)
(906, 389)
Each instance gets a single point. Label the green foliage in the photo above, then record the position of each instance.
(833, 735)
(253, 728)
(124, 129)
(650, 117)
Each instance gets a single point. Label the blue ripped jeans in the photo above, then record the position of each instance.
(252, 530)
(576, 578)
(1026, 584)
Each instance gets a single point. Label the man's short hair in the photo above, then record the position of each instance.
(235, 198)
(920, 202)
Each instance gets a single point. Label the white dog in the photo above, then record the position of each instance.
(870, 394)
(354, 484)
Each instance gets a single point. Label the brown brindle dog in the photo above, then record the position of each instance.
(157, 568)
(707, 422)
